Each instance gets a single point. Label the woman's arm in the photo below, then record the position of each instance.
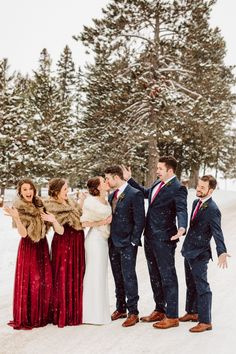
(59, 229)
(97, 223)
(82, 197)
(13, 212)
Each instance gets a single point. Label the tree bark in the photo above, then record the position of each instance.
(2, 191)
(152, 152)
(194, 175)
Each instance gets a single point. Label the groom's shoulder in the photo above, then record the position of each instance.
(132, 190)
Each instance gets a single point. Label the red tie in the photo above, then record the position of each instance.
(115, 194)
(157, 191)
(198, 206)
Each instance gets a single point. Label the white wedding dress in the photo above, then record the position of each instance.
(95, 294)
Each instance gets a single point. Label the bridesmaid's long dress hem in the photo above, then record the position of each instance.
(33, 285)
(68, 267)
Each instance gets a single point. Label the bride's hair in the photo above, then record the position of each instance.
(92, 185)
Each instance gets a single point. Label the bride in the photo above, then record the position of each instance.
(96, 215)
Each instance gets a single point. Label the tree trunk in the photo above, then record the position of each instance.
(152, 152)
(2, 191)
(152, 139)
(194, 175)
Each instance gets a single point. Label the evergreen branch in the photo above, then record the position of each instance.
(191, 94)
(137, 36)
(183, 71)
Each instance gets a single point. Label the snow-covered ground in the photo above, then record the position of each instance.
(142, 338)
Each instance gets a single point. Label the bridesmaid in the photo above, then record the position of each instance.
(68, 262)
(33, 276)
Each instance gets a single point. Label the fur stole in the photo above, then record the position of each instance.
(65, 214)
(94, 210)
(30, 216)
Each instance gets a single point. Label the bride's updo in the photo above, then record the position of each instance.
(92, 186)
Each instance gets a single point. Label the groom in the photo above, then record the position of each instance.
(128, 217)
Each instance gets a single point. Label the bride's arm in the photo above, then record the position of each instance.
(97, 223)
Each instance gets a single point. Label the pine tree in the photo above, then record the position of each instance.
(11, 128)
(48, 130)
(212, 115)
(153, 32)
(168, 47)
(69, 86)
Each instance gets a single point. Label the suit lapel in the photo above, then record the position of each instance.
(122, 195)
(193, 208)
(110, 197)
(165, 188)
(151, 190)
(201, 210)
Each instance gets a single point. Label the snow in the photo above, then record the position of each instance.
(142, 338)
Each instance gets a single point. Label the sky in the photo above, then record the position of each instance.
(28, 26)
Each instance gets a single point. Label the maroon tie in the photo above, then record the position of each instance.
(198, 206)
(114, 200)
(157, 191)
(115, 194)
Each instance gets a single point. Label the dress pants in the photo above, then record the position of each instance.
(199, 295)
(160, 257)
(123, 262)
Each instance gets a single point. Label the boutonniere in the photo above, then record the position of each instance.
(122, 196)
(204, 206)
(168, 183)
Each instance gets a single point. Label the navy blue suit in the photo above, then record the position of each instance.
(126, 229)
(197, 252)
(171, 202)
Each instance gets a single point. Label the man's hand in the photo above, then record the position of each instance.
(126, 172)
(222, 260)
(180, 233)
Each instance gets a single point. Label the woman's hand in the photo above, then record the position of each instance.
(97, 223)
(108, 220)
(48, 217)
(82, 195)
(87, 224)
(11, 211)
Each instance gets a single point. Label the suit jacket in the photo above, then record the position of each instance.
(171, 202)
(207, 223)
(128, 218)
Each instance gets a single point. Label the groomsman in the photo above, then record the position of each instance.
(205, 222)
(167, 202)
(128, 218)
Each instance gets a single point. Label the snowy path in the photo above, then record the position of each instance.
(141, 338)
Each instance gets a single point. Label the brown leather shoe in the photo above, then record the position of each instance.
(167, 323)
(131, 320)
(117, 314)
(201, 327)
(193, 317)
(153, 317)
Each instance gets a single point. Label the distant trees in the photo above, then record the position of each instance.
(179, 98)
(158, 85)
(39, 121)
